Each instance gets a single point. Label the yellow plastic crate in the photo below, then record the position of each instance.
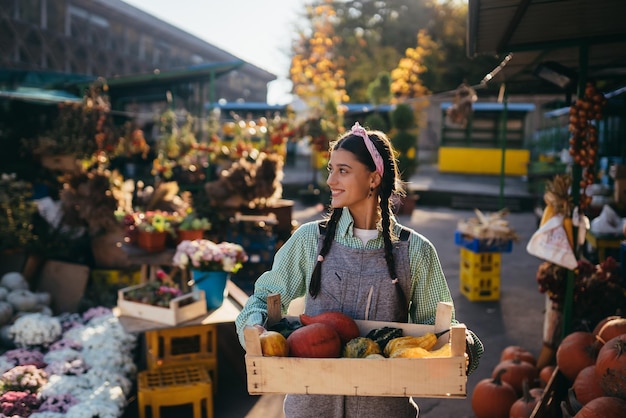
(166, 387)
(480, 263)
(480, 287)
(116, 277)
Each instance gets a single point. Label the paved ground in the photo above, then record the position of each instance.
(515, 319)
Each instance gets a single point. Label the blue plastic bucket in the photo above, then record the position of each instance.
(214, 285)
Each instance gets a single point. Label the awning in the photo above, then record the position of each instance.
(184, 75)
(536, 31)
(36, 95)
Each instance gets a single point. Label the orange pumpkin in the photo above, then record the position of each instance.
(512, 351)
(587, 385)
(603, 407)
(575, 352)
(611, 367)
(524, 406)
(515, 372)
(611, 329)
(493, 398)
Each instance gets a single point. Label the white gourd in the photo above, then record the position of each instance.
(43, 298)
(22, 300)
(6, 313)
(13, 281)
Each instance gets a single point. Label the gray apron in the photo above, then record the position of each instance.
(357, 283)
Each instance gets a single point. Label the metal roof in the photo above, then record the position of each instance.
(37, 95)
(578, 34)
(182, 75)
(493, 106)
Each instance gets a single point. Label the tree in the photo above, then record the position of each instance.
(406, 77)
(375, 34)
(403, 140)
(379, 90)
(317, 72)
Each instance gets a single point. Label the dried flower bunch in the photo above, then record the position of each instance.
(133, 143)
(87, 200)
(16, 212)
(82, 129)
(491, 226)
(598, 289)
(248, 182)
(206, 255)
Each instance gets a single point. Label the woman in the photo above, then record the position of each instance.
(359, 261)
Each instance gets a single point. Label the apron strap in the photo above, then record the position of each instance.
(404, 233)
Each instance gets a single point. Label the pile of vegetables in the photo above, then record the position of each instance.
(334, 334)
(592, 363)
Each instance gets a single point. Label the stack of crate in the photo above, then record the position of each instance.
(480, 275)
(480, 267)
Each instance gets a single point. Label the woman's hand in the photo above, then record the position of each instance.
(260, 329)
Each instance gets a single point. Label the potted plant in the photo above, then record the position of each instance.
(191, 228)
(152, 231)
(211, 265)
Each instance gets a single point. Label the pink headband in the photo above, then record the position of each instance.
(369, 144)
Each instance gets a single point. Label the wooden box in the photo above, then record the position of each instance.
(179, 309)
(417, 377)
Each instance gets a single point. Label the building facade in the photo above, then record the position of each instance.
(110, 38)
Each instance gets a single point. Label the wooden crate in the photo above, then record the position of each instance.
(173, 315)
(417, 377)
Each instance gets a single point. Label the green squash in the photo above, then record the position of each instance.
(383, 335)
(360, 347)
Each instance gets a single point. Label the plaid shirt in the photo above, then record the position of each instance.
(294, 262)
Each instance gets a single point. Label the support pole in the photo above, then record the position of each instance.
(503, 138)
(568, 305)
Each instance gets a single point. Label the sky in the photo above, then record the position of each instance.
(257, 31)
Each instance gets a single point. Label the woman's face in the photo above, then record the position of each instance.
(349, 181)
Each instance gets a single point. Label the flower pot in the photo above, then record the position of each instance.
(214, 285)
(153, 242)
(188, 235)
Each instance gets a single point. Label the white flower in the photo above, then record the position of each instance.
(93, 409)
(35, 329)
(47, 414)
(205, 255)
(65, 354)
(107, 349)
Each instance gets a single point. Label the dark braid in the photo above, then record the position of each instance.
(331, 226)
(387, 189)
(390, 186)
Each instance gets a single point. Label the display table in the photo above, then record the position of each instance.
(601, 242)
(149, 262)
(227, 313)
